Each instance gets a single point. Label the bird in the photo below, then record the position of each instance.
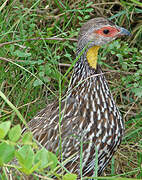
(87, 128)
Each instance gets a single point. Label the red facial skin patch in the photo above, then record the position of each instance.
(111, 31)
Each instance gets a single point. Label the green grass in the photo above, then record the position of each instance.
(35, 72)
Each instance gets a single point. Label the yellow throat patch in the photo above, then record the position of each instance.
(92, 56)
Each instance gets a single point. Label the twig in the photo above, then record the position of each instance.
(38, 38)
(10, 60)
(42, 177)
(9, 112)
(96, 4)
(131, 107)
(65, 65)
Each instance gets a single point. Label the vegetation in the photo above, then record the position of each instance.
(33, 68)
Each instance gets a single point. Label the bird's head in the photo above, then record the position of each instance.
(97, 32)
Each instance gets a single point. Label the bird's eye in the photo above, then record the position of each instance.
(105, 31)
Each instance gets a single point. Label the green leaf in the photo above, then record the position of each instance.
(15, 133)
(52, 159)
(4, 128)
(41, 74)
(27, 138)
(46, 79)
(70, 177)
(37, 82)
(28, 171)
(35, 167)
(25, 156)
(46, 159)
(89, 4)
(42, 157)
(137, 91)
(21, 54)
(6, 153)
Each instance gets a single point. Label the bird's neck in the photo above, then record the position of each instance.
(86, 68)
(92, 56)
(87, 63)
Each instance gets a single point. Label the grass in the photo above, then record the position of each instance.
(31, 70)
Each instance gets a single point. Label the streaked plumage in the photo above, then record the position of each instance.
(89, 116)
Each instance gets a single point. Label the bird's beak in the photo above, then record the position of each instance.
(123, 31)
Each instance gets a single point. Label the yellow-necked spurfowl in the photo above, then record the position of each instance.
(90, 120)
